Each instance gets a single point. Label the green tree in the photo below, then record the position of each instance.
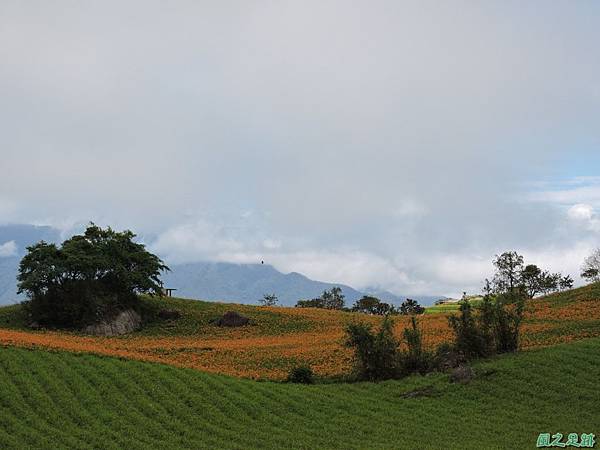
(334, 298)
(566, 283)
(87, 278)
(367, 304)
(509, 267)
(410, 306)
(269, 300)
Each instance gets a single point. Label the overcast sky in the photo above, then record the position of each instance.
(395, 144)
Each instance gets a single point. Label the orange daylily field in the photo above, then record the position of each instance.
(281, 338)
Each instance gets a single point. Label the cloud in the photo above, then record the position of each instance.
(387, 143)
(8, 249)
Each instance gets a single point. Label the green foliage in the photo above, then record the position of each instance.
(87, 278)
(268, 300)
(492, 327)
(468, 336)
(411, 307)
(330, 299)
(376, 353)
(415, 359)
(590, 270)
(119, 404)
(302, 375)
(514, 278)
(372, 305)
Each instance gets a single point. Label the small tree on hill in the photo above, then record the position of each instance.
(88, 278)
(566, 283)
(590, 270)
(269, 300)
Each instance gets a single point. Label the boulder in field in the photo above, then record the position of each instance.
(232, 319)
(123, 323)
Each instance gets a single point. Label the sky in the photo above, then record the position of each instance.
(391, 144)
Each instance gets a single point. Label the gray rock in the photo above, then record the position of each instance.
(462, 374)
(123, 323)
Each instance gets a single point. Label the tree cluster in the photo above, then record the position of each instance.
(372, 305)
(515, 279)
(329, 299)
(87, 278)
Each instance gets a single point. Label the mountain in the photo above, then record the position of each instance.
(241, 283)
(247, 283)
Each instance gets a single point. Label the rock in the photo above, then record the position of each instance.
(448, 358)
(34, 325)
(462, 374)
(123, 323)
(232, 319)
(169, 314)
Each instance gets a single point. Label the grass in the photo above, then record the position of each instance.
(446, 308)
(279, 339)
(64, 400)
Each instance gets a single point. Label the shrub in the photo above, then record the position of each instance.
(468, 336)
(376, 353)
(494, 329)
(88, 278)
(415, 359)
(301, 374)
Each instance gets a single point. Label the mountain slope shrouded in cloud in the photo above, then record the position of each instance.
(247, 283)
(242, 283)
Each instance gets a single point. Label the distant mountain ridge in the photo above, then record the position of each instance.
(239, 283)
(247, 283)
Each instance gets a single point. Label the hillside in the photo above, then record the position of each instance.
(62, 400)
(281, 338)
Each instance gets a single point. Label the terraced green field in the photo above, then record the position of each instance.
(65, 400)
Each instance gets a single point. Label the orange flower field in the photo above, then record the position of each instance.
(252, 353)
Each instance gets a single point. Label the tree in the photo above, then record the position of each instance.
(566, 283)
(269, 300)
(410, 307)
(509, 266)
(367, 304)
(313, 303)
(333, 299)
(535, 281)
(87, 278)
(590, 270)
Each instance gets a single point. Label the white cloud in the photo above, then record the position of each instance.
(8, 249)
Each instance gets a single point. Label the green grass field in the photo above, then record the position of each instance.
(64, 400)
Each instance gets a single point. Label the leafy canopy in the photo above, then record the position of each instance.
(87, 277)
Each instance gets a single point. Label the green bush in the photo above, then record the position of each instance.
(491, 328)
(415, 359)
(376, 353)
(378, 356)
(301, 374)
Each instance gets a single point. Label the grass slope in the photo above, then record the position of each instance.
(64, 400)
